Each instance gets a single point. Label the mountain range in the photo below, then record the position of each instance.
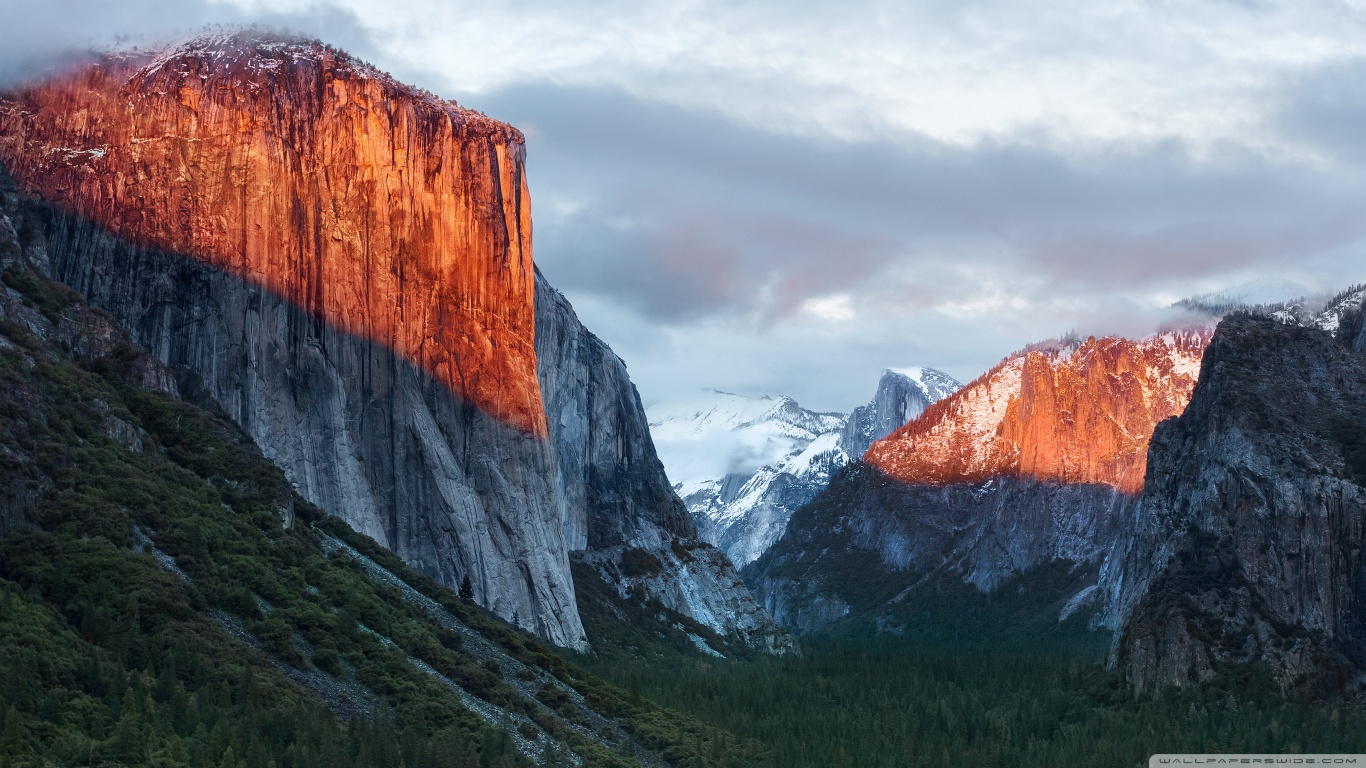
(743, 465)
(297, 435)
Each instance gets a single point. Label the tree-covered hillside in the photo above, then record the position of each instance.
(166, 599)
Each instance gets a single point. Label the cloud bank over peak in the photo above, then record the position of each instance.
(779, 198)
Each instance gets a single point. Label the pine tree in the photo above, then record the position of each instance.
(466, 589)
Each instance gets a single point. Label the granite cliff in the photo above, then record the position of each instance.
(1036, 464)
(1246, 545)
(901, 396)
(1069, 411)
(621, 518)
(343, 265)
(340, 263)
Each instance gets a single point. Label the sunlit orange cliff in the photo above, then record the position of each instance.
(382, 211)
(1070, 412)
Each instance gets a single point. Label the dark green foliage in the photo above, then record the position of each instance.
(637, 562)
(910, 701)
(48, 297)
(107, 657)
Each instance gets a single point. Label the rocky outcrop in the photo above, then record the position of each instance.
(743, 465)
(1247, 543)
(868, 531)
(1070, 411)
(902, 395)
(343, 265)
(620, 515)
(613, 490)
(1036, 463)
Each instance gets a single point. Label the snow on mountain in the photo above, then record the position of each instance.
(1258, 292)
(743, 465)
(935, 384)
(720, 434)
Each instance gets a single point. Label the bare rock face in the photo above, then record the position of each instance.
(617, 506)
(902, 395)
(612, 485)
(1072, 412)
(868, 530)
(1247, 543)
(343, 265)
(1038, 462)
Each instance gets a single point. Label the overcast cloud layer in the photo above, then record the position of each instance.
(770, 197)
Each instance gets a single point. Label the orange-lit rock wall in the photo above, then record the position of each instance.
(383, 212)
(1079, 413)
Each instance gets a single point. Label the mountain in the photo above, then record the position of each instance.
(159, 575)
(627, 529)
(1245, 553)
(743, 464)
(1031, 468)
(902, 395)
(342, 264)
(1072, 411)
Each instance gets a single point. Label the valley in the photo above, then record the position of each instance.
(308, 463)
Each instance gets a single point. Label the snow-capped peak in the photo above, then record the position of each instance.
(744, 464)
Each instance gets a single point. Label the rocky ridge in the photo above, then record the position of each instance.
(342, 264)
(1071, 411)
(1038, 462)
(620, 515)
(744, 465)
(1246, 545)
(221, 199)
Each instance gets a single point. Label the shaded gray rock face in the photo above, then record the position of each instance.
(617, 507)
(359, 432)
(747, 513)
(868, 527)
(1246, 547)
(612, 486)
(747, 509)
(900, 397)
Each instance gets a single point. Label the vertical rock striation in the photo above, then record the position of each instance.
(343, 264)
(618, 509)
(1067, 411)
(613, 489)
(1247, 543)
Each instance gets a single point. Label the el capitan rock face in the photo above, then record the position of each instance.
(384, 212)
(1074, 413)
(342, 264)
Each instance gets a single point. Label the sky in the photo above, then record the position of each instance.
(785, 198)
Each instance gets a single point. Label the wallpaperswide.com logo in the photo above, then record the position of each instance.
(1174, 761)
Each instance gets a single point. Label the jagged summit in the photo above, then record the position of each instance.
(744, 464)
(1067, 410)
(902, 394)
(257, 53)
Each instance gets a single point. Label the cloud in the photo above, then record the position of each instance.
(49, 34)
(681, 214)
(761, 261)
(1324, 106)
(765, 197)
